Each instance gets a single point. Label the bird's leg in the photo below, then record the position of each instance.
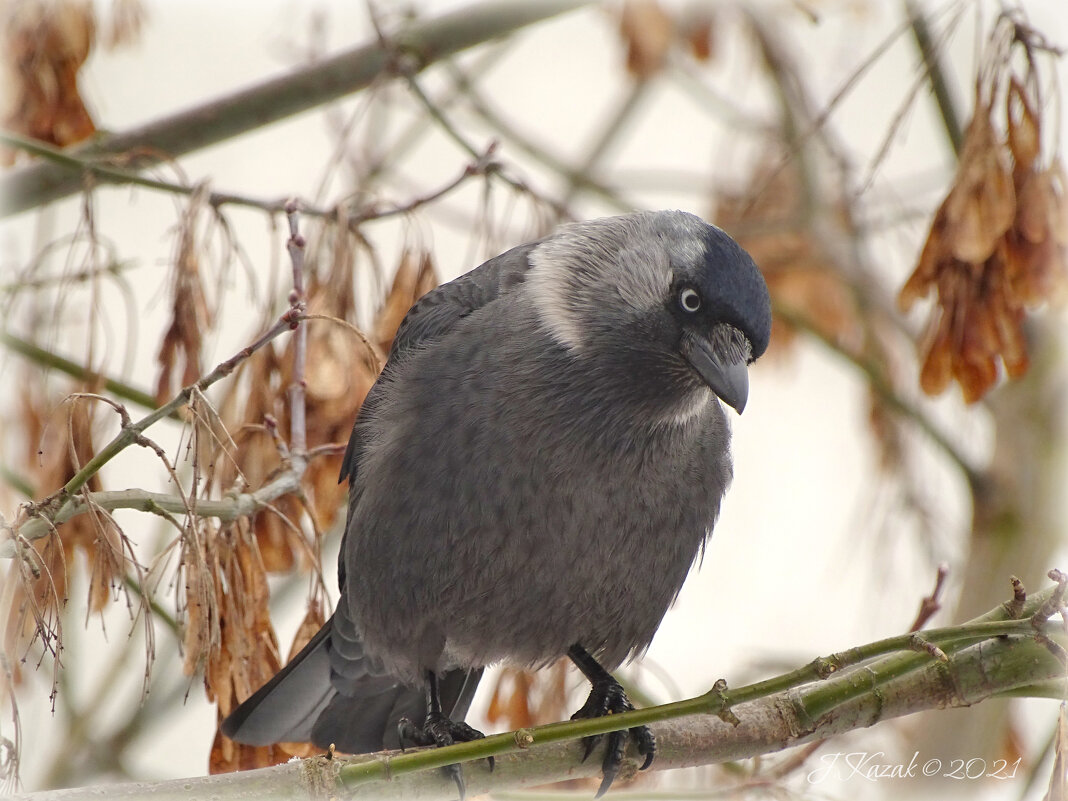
(607, 698)
(439, 730)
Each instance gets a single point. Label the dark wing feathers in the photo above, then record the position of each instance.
(332, 691)
(363, 724)
(434, 315)
(357, 711)
(298, 693)
(438, 310)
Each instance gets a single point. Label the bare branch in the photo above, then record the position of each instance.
(298, 440)
(51, 360)
(881, 386)
(936, 75)
(931, 604)
(425, 41)
(62, 505)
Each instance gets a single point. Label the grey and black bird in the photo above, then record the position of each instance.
(532, 476)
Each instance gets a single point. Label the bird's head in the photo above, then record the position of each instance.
(658, 288)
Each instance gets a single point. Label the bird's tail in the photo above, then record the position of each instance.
(302, 704)
(285, 708)
(357, 725)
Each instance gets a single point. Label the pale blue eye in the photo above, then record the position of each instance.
(689, 299)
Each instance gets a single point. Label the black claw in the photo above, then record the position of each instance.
(606, 782)
(588, 744)
(613, 758)
(458, 776)
(439, 730)
(607, 698)
(646, 744)
(408, 732)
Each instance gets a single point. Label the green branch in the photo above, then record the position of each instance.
(833, 685)
(998, 653)
(50, 360)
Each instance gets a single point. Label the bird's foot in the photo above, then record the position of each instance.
(438, 730)
(608, 698)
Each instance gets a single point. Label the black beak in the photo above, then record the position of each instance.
(724, 369)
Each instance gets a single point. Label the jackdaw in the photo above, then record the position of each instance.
(532, 476)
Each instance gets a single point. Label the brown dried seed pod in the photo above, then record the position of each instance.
(935, 252)
(415, 277)
(1034, 207)
(1024, 134)
(982, 203)
(647, 31)
(937, 369)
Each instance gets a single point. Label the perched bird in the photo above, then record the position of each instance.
(532, 476)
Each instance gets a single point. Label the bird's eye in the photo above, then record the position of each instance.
(689, 299)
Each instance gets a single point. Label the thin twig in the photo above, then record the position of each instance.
(527, 145)
(453, 132)
(274, 99)
(796, 759)
(298, 438)
(936, 75)
(331, 214)
(882, 387)
(42, 516)
(483, 164)
(225, 509)
(46, 358)
(612, 129)
(930, 605)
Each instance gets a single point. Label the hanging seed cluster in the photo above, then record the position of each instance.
(997, 244)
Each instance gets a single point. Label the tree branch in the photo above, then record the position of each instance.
(298, 438)
(62, 505)
(351, 217)
(997, 653)
(882, 387)
(426, 41)
(53, 361)
(936, 75)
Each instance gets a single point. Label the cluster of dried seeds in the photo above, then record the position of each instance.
(998, 244)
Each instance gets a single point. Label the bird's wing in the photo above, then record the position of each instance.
(358, 682)
(433, 316)
(316, 696)
(357, 711)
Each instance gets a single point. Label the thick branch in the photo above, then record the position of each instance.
(424, 41)
(801, 708)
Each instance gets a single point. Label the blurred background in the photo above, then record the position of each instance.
(893, 167)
